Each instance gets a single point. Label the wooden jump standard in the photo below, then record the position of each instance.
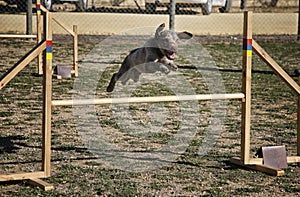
(73, 32)
(248, 45)
(44, 46)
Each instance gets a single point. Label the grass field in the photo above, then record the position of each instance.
(76, 171)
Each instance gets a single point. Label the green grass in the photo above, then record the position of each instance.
(77, 172)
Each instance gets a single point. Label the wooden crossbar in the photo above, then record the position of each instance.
(148, 99)
(70, 31)
(20, 65)
(276, 68)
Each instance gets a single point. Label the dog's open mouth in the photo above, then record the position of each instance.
(170, 54)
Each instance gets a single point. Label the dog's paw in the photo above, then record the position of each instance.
(124, 81)
(172, 67)
(109, 89)
(166, 71)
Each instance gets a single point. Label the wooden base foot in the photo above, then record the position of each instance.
(40, 183)
(259, 167)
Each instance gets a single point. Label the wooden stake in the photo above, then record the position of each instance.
(261, 168)
(33, 177)
(75, 50)
(47, 95)
(298, 120)
(39, 35)
(245, 160)
(246, 88)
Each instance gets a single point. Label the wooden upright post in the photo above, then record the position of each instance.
(298, 121)
(39, 35)
(298, 37)
(47, 95)
(246, 88)
(75, 50)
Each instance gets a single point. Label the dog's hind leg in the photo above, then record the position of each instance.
(135, 75)
(112, 82)
(124, 77)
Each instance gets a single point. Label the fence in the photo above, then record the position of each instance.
(111, 17)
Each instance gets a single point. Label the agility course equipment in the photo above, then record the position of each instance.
(44, 46)
(73, 32)
(43, 50)
(39, 28)
(245, 160)
(154, 99)
(17, 36)
(248, 45)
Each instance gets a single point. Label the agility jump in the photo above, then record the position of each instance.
(249, 45)
(42, 51)
(245, 96)
(73, 32)
(45, 47)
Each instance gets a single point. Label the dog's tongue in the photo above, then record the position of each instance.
(172, 55)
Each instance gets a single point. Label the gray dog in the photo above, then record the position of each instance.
(156, 55)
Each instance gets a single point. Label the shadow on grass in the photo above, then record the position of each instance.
(227, 70)
(7, 144)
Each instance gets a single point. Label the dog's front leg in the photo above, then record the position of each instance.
(163, 68)
(169, 63)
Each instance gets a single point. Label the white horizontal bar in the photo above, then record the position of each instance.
(148, 99)
(16, 36)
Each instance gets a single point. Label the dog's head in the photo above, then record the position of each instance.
(167, 40)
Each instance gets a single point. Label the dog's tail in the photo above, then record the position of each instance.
(112, 83)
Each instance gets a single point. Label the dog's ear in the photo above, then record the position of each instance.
(159, 29)
(184, 35)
